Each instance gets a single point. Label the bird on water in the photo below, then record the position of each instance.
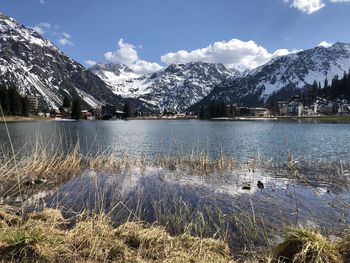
(260, 185)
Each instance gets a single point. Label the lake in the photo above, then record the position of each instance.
(214, 204)
(241, 139)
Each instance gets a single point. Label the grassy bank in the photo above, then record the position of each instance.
(46, 237)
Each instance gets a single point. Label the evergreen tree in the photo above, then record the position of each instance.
(337, 89)
(4, 100)
(325, 83)
(201, 112)
(25, 106)
(127, 109)
(136, 114)
(223, 109)
(212, 109)
(15, 102)
(76, 109)
(66, 102)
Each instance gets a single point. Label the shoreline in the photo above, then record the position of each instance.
(316, 119)
(11, 119)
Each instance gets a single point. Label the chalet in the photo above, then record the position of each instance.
(65, 112)
(120, 114)
(326, 107)
(88, 115)
(295, 108)
(260, 112)
(344, 109)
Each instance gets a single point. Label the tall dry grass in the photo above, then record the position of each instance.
(44, 237)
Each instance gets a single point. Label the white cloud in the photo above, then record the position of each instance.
(90, 62)
(145, 67)
(325, 44)
(125, 54)
(233, 53)
(66, 35)
(42, 2)
(38, 29)
(307, 6)
(42, 28)
(65, 42)
(65, 39)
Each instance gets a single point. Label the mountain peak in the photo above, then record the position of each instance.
(38, 68)
(111, 67)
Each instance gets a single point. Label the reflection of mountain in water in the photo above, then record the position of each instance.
(155, 196)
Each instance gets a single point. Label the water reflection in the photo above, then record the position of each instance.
(175, 200)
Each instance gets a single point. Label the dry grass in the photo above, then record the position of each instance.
(302, 245)
(197, 162)
(31, 240)
(344, 247)
(41, 237)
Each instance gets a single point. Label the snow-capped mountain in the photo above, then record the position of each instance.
(175, 87)
(120, 78)
(36, 67)
(283, 76)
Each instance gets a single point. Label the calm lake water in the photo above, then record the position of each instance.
(241, 139)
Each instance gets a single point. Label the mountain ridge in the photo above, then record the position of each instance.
(282, 76)
(175, 87)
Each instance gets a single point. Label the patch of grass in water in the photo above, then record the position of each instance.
(303, 245)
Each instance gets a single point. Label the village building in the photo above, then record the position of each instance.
(65, 112)
(33, 104)
(282, 108)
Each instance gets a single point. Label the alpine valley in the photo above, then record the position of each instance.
(36, 67)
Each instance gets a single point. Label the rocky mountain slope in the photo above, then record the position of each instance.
(175, 87)
(283, 76)
(36, 67)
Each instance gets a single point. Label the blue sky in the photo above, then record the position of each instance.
(149, 34)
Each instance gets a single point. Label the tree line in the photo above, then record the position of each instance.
(12, 103)
(338, 88)
(216, 109)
